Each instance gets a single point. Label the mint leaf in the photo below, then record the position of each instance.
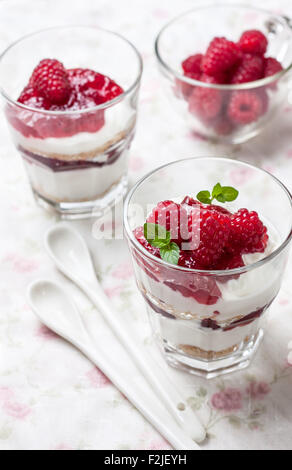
(217, 190)
(229, 193)
(220, 193)
(204, 197)
(156, 235)
(170, 253)
(220, 198)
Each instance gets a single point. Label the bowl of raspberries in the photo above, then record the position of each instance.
(226, 80)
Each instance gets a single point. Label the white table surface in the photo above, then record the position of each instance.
(51, 397)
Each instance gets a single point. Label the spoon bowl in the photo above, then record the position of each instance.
(69, 251)
(55, 309)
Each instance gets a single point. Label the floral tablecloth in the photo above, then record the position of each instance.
(51, 397)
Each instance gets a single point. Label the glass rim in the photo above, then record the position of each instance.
(102, 106)
(239, 86)
(206, 272)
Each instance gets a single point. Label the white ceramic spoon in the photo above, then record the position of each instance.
(54, 308)
(70, 253)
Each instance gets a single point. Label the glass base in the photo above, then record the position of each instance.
(237, 138)
(85, 209)
(210, 369)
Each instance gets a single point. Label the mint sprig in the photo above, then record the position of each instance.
(220, 193)
(159, 237)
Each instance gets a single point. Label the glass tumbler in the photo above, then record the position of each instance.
(210, 322)
(228, 113)
(76, 159)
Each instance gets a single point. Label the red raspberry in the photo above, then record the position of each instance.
(139, 235)
(192, 64)
(187, 260)
(262, 93)
(271, 67)
(223, 126)
(173, 217)
(209, 231)
(230, 261)
(253, 42)
(221, 55)
(185, 89)
(245, 107)
(218, 209)
(249, 69)
(190, 201)
(94, 85)
(248, 233)
(30, 97)
(51, 80)
(218, 79)
(205, 103)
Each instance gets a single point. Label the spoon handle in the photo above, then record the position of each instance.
(180, 410)
(176, 436)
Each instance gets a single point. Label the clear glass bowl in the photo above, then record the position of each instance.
(76, 161)
(191, 33)
(210, 322)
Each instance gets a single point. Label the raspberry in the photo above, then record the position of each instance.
(221, 55)
(219, 209)
(205, 103)
(192, 64)
(248, 234)
(249, 69)
(245, 107)
(218, 79)
(253, 42)
(30, 97)
(185, 89)
(262, 93)
(173, 217)
(271, 67)
(210, 233)
(139, 235)
(94, 85)
(51, 80)
(230, 262)
(190, 201)
(223, 126)
(187, 260)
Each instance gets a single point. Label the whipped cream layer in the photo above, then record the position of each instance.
(118, 119)
(190, 333)
(87, 184)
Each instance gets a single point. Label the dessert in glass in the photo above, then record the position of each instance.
(70, 98)
(209, 240)
(227, 69)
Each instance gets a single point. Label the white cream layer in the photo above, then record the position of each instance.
(182, 332)
(76, 185)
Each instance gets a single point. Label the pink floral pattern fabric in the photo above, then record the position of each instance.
(51, 396)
